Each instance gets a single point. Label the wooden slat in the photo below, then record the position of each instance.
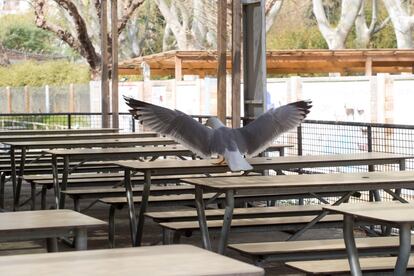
(150, 260)
(252, 222)
(309, 246)
(329, 267)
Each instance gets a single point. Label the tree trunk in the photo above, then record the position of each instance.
(4, 59)
(335, 37)
(403, 23)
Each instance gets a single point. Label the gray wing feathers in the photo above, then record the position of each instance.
(175, 124)
(256, 136)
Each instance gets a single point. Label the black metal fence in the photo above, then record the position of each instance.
(311, 138)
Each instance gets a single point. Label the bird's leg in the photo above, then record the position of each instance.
(220, 161)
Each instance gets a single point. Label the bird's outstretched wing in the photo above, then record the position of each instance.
(257, 135)
(173, 123)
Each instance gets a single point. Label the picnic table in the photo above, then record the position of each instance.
(392, 214)
(346, 183)
(57, 131)
(25, 146)
(85, 155)
(259, 163)
(151, 260)
(47, 224)
(72, 136)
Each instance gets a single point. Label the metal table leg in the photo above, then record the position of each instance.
(56, 187)
(143, 207)
(20, 178)
(64, 183)
(228, 215)
(350, 246)
(405, 249)
(131, 207)
(52, 245)
(13, 170)
(202, 220)
(81, 239)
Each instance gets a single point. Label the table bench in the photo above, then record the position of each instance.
(57, 131)
(177, 229)
(184, 260)
(259, 164)
(47, 224)
(341, 266)
(284, 251)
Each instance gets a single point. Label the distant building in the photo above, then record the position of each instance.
(14, 6)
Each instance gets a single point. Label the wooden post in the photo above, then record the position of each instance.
(9, 100)
(236, 63)
(114, 75)
(178, 69)
(71, 98)
(222, 60)
(368, 66)
(104, 67)
(26, 99)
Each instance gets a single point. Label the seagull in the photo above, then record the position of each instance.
(214, 137)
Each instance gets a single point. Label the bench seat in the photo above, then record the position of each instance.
(314, 249)
(177, 229)
(254, 212)
(341, 266)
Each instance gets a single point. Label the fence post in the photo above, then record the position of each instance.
(26, 99)
(9, 99)
(133, 123)
(71, 98)
(300, 142)
(47, 99)
(69, 120)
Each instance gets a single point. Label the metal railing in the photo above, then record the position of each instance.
(310, 138)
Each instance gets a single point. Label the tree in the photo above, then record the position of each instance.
(78, 35)
(191, 24)
(403, 22)
(4, 59)
(336, 36)
(364, 32)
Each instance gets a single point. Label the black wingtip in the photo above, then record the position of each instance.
(304, 105)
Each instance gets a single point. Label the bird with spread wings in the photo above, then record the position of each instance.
(215, 137)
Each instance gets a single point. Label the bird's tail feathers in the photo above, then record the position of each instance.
(236, 161)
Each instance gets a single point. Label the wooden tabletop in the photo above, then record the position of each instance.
(45, 219)
(72, 136)
(286, 162)
(312, 182)
(103, 151)
(388, 212)
(93, 142)
(148, 149)
(57, 131)
(152, 260)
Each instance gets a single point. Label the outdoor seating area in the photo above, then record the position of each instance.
(195, 138)
(166, 187)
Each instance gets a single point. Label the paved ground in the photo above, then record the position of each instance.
(98, 237)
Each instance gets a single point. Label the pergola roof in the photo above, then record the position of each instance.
(203, 63)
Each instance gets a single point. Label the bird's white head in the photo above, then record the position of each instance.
(214, 123)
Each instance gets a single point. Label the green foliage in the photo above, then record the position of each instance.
(299, 38)
(42, 73)
(29, 39)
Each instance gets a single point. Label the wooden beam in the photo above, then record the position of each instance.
(236, 62)
(368, 67)
(115, 75)
(178, 69)
(222, 58)
(104, 67)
